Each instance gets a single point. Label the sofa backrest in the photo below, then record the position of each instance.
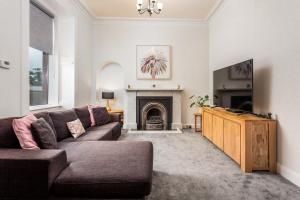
(47, 118)
(8, 138)
(60, 120)
(83, 114)
(57, 121)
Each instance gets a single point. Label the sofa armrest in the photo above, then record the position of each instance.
(115, 117)
(29, 173)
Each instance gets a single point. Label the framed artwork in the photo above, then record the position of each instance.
(153, 62)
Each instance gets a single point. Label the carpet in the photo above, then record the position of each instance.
(189, 167)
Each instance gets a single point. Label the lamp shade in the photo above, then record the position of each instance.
(108, 95)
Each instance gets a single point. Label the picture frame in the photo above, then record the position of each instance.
(153, 62)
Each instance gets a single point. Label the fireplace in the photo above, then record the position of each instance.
(154, 113)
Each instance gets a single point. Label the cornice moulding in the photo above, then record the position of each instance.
(214, 10)
(99, 20)
(122, 20)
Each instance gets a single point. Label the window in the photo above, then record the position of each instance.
(42, 71)
(39, 77)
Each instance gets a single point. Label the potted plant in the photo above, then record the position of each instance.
(199, 102)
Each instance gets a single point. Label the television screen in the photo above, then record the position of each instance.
(233, 86)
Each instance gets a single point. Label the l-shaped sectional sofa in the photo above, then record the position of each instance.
(91, 166)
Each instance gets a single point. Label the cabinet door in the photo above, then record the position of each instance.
(260, 145)
(217, 131)
(232, 140)
(207, 125)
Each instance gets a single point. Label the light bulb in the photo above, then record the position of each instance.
(140, 2)
(160, 6)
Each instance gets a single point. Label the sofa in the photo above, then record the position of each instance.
(94, 165)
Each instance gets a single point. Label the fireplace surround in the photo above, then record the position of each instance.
(130, 117)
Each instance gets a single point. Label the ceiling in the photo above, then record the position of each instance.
(173, 9)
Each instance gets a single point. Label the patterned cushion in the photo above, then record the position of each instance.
(101, 116)
(76, 128)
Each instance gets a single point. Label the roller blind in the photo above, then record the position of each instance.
(41, 29)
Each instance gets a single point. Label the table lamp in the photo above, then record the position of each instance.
(108, 96)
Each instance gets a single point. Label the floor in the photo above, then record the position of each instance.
(188, 167)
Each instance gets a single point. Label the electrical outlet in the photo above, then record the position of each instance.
(186, 126)
(4, 64)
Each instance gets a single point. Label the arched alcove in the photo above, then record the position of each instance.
(110, 77)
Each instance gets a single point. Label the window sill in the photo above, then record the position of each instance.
(44, 107)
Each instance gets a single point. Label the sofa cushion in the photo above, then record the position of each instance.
(106, 170)
(84, 116)
(76, 128)
(22, 128)
(60, 120)
(47, 118)
(114, 126)
(8, 138)
(101, 116)
(43, 134)
(92, 134)
(28, 174)
(90, 108)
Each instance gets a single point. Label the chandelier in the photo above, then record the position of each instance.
(153, 7)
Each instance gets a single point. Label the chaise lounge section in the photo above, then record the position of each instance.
(91, 166)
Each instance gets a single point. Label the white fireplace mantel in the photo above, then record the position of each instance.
(130, 104)
(154, 89)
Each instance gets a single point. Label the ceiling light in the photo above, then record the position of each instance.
(153, 7)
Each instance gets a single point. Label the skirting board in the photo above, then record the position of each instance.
(153, 132)
(289, 174)
(175, 126)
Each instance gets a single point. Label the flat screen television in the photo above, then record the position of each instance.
(233, 87)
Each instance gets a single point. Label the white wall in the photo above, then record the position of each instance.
(14, 40)
(114, 83)
(66, 43)
(83, 51)
(14, 43)
(83, 60)
(115, 41)
(268, 31)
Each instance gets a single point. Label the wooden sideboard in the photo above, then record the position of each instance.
(249, 140)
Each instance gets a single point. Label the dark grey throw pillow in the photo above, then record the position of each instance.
(44, 134)
(83, 114)
(47, 118)
(101, 116)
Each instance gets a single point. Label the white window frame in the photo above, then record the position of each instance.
(53, 85)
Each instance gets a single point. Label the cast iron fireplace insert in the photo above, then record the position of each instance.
(144, 102)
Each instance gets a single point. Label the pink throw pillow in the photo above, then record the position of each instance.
(90, 107)
(22, 128)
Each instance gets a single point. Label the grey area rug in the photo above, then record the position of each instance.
(188, 167)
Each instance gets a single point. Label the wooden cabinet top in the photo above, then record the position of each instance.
(234, 116)
(116, 111)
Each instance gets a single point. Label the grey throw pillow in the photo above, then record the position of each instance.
(101, 116)
(44, 134)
